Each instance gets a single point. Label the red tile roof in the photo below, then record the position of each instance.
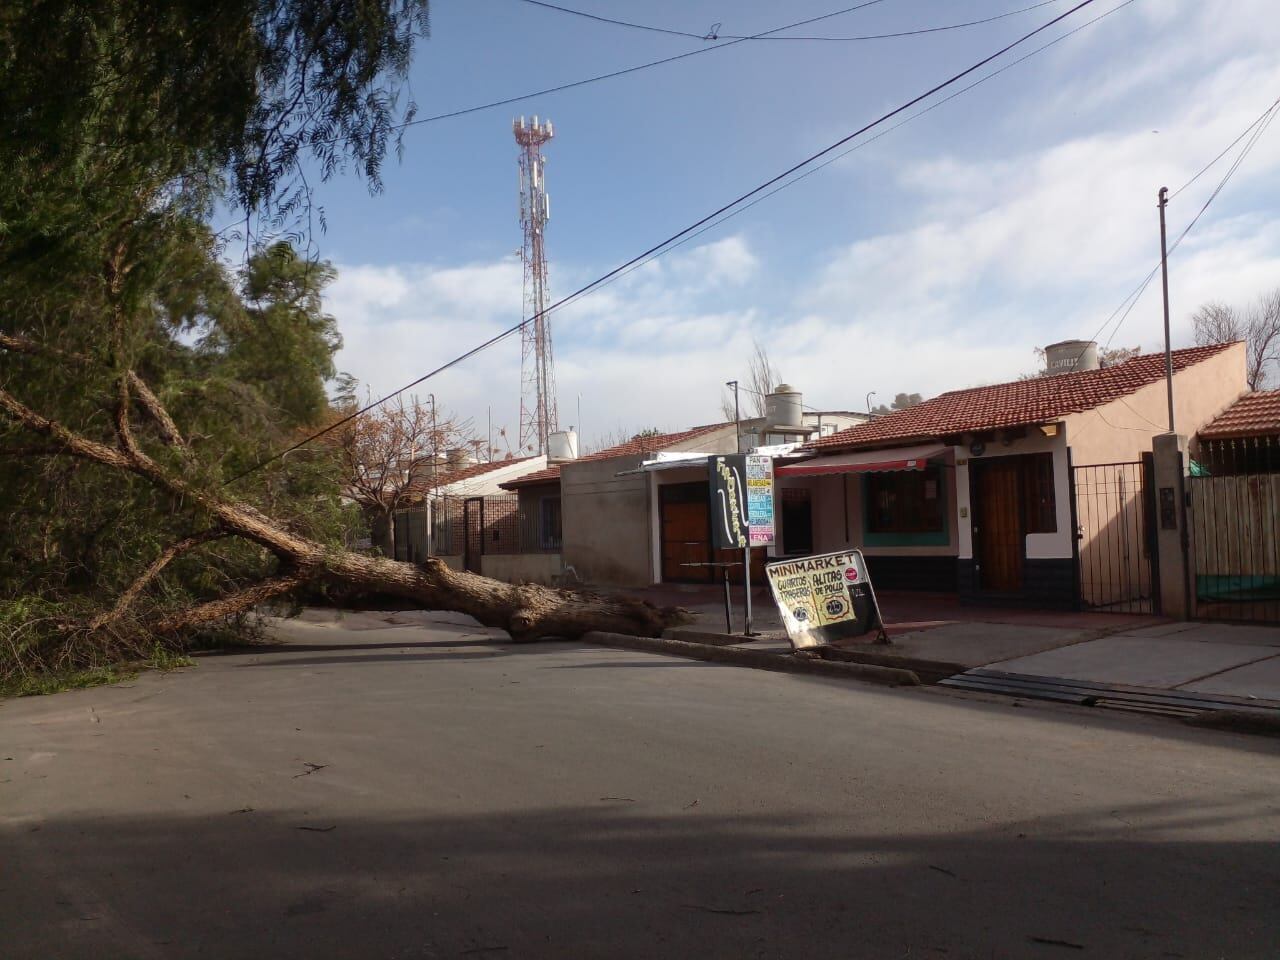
(1020, 403)
(1251, 415)
(636, 445)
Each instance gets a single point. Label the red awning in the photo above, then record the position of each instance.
(869, 461)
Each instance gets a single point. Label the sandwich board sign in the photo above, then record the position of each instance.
(825, 598)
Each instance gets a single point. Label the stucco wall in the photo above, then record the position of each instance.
(522, 567)
(724, 440)
(1121, 431)
(606, 521)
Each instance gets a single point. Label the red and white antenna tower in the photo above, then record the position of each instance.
(537, 372)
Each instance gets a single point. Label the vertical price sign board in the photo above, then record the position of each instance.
(760, 500)
(825, 598)
(728, 489)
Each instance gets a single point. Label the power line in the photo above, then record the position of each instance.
(1227, 149)
(713, 34)
(1258, 127)
(626, 70)
(709, 35)
(858, 146)
(675, 237)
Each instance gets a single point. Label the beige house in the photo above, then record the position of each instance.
(600, 505)
(1006, 492)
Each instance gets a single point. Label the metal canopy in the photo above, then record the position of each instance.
(870, 461)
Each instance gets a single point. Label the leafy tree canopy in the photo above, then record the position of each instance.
(124, 124)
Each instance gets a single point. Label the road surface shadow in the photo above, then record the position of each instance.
(644, 876)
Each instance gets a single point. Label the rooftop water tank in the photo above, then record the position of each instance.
(784, 407)
(562, 445)
(1070, 356)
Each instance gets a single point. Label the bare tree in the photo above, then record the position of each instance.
(900, 402)
(396, 455)
(761, 380)
(1258, 326)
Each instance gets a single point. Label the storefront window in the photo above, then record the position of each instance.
(909, 502)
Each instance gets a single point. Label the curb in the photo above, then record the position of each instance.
(757, 659)
(1237, 721)
(929, 671)
(711, 638)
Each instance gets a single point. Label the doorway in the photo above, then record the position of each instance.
(684, 516)
(997, 524)
(797, 521)
(686, 526)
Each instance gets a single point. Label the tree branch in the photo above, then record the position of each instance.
(234, 603)
(151, 404)
(169, 554)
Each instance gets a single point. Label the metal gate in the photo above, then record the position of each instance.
(473, 533)
(1115, 537)
(1235, 526)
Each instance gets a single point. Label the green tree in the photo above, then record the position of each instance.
(139, 380)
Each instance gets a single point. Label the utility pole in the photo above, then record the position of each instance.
(737, 419)
(435, 447)
(1162, 202)
(538, 417)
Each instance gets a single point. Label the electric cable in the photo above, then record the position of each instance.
(713, 34)
(464, 111)
(869, 140)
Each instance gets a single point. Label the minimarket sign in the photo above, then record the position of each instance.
(825, 598)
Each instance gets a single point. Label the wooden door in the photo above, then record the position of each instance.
(686, 533)
(997, 527)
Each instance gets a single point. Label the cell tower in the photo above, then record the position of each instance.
(537, 372)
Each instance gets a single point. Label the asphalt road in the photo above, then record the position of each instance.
(429, 792)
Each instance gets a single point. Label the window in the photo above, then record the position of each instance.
(1039, 504)
(550, 529)
(909, 502)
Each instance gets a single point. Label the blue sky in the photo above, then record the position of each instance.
(934, 258)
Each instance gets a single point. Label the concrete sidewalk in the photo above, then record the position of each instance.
(936, 636)
(931, 633)
(1212, 658)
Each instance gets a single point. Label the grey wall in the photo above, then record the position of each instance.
(606, 521)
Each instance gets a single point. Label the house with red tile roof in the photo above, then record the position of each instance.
(1244, 439)
(974, 491)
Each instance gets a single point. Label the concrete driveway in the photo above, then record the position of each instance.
(419, 789)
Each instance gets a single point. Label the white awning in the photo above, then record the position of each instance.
(669, 460)
(870, 461)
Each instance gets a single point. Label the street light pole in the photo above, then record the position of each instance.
(737, 418)
(870, 394)
(1162, 202)
(435, 446)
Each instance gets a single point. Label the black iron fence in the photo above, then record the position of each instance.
(1115, 532)
(1235, 526)
(471, 527)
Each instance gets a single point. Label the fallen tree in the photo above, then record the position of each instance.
(526, 611)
